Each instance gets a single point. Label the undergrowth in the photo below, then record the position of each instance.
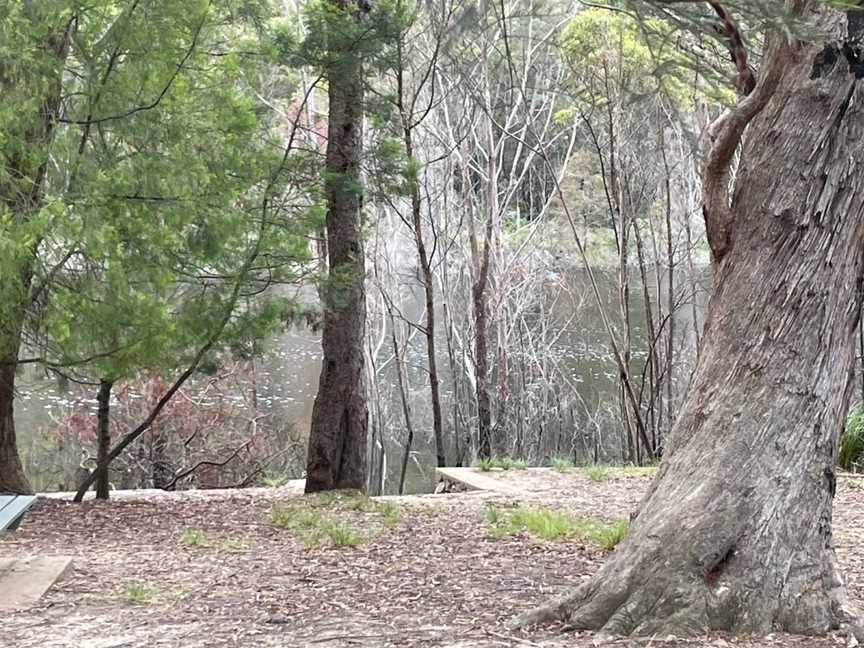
(562, 464)
(319, 519)
(852, 444)
(502, 463)
(551, 524)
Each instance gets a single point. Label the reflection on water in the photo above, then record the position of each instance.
(286, 379)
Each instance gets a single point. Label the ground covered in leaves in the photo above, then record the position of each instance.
(265, 568)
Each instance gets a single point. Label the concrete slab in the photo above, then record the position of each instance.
(23, 581)
(474, 479)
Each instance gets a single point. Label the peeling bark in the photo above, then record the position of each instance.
(735, 533)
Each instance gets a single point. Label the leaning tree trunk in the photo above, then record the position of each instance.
(735, 533)
(337, 438)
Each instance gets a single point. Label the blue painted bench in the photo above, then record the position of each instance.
(12, 509)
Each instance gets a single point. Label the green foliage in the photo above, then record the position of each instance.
(551, 525)
(155, 217)
(339, 35)
(295, 518)
(562, 464)
(608, 536)
(193, 538)
(852, 444)
(597, 472)
(499, 462)
(615, 57)
(325, 516)
(139, 593)
(343, 536)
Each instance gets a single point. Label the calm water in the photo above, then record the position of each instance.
(287, 377)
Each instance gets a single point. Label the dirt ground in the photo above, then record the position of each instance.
(212, 570)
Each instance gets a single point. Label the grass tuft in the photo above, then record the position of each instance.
(609, 535)
(193, 538)
(597, 472)
(562, 464)
(486, 464)
(852, 444)
(322, 518)
(139, 593)
(343, 536)
(550, 524)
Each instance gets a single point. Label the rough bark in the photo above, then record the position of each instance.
(735, 533)
(103, 439)
(337, 438)
(26, 166)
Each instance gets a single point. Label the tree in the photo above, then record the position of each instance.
(337, 436)
(735, 532)
(36, 43)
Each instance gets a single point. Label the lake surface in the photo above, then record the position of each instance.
(286, 378)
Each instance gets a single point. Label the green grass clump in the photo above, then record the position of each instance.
(501, 463)
(343, 536)
(322, 518)
(389, 513)
(193, 538)
(545, 523)
(562, 464)
(139, 593)
(289, 517)
(597, 472)
(609, 535)
(550, 524)
(852, 444)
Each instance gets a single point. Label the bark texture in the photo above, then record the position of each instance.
(735, 533)
(103, 439)
(337, 438)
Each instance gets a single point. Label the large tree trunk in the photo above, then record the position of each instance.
(337, 438)
(735, 533)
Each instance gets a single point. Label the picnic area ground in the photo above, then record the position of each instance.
(262, 568)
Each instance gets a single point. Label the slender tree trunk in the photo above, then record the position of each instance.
(670, 280)
(103, 439)
(735, 533)
(337, 438)
(401, 379)
(26, 165)
(428, 289)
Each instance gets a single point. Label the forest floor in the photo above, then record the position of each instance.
(269, 567)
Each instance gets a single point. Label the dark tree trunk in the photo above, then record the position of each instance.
(735, 533)
(103, 439)
(481, 370)
(12, 479)
(26, 164)
(337, 438)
